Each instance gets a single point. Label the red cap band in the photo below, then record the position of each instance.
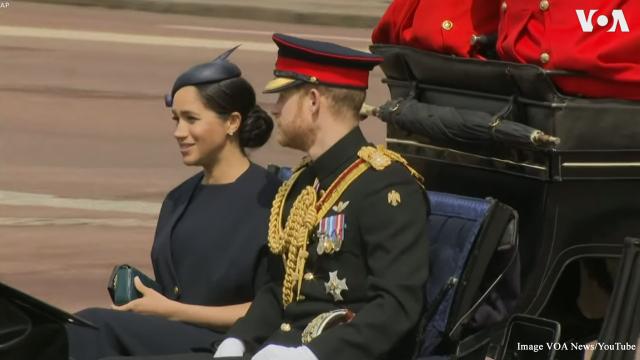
(328, 74)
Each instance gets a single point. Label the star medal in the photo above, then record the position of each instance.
(335, 286)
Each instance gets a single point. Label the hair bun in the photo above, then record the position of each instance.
(256, 129)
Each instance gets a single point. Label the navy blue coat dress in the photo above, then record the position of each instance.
(209, 249)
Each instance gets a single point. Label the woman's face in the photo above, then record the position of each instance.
(201, 133)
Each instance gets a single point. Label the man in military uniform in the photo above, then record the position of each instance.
(348, 230)
(350, 225)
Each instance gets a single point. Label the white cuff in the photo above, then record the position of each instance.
(307, 353)
(230, 347)
(277, 352)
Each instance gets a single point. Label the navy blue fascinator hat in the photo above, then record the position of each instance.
(212, 72)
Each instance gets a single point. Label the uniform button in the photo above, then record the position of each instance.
(503, 7)
(302, 298)
(544, 5)
(544, 57)
(308, 276)
(285, 327)
(447, 25)
(176, 290)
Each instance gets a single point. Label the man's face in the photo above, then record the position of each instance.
(294, 120)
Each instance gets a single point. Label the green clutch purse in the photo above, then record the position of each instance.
(121, 287)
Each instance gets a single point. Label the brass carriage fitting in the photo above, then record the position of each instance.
(540, 138)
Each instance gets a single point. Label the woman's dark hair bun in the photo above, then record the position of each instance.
(237, 95)
(256, 129)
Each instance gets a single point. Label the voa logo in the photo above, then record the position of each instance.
(616, 19)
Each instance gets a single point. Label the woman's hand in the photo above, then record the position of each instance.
(155, 304)
(151, 302)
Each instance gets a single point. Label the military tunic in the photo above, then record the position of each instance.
(452, 27)
(378, 272)
(582, 37)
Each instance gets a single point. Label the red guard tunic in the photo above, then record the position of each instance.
(447, 27)
(555, 34)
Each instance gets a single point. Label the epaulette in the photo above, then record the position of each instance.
(376, 157)
(380, 157)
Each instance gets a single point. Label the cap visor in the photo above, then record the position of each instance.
(279, 84)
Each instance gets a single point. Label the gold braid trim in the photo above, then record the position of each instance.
(276, 241)
(291, 242)
(296, 233)
(307, 211)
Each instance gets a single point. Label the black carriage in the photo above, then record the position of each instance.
(575, 183)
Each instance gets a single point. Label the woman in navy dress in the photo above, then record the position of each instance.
(209, 249)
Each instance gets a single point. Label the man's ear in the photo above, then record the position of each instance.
(314, 100)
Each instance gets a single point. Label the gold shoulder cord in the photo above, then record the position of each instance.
(397, 157)
(291, 242)
(307, 211)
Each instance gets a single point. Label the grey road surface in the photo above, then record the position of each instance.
(86, 151)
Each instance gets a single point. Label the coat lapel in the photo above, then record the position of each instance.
(180, 202)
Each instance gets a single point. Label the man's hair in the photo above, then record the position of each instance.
(343, 101)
